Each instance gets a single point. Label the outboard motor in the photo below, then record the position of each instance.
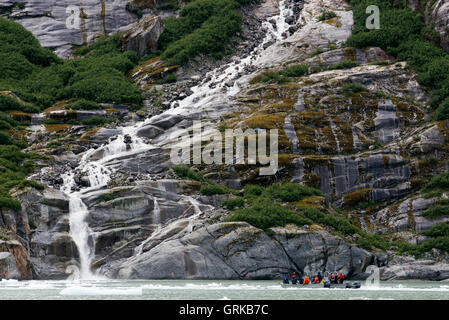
(356, 285)
(348, 285)
(327, 284)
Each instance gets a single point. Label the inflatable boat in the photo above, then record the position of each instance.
(325, 284)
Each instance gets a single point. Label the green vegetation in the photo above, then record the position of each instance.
(203, 27)
(234, 203)
(346, 64)
(354, 87)
(4, 238)
(37, 76)
(438, 183)
(439, 239)
(170, 78)
(404, 35)
(212, 189)
(280, 204)
(84, 105)
(326, 15)
(441, 208)
(282, 76)
(32, 225)
(316, 52)
(299, 70)
(185, 172)
(291, 192)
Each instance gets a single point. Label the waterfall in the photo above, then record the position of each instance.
(197, 210)
(231, 72)
(156, 212)
(98, 175)
(80, 232)
(157, 221)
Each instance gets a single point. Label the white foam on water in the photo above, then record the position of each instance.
(96, 291)
(210, 286)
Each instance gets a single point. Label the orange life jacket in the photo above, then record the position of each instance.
(316, 280)
(306, 280)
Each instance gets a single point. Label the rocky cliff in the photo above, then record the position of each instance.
(355, 126)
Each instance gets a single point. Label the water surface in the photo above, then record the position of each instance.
(213, 290)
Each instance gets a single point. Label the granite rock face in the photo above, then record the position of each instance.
(355, 146)
(8, 267)
(240, 251)
(59, 25)
(143, 36)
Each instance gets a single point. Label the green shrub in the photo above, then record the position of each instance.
(32, 225)
(170, 78)
(437, 230)
(442, 112)
(109, 197)
(254, 190)
(290, 192)
(438, 209)
(297, 70)
(354, 88)
(347, 64)
(7, 202)
(84, 105)
(438, 182)
(203, 27)
(397, 25)
(326, 15)
(8, 103)
(31, 183)
(404, 35)
(265, 214)
(234, 203)
(213, 189)
(274, 77)
(185, 172)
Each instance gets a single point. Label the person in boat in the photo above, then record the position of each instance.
(320, 277)
(316, 280)
(301, 280)
(341, 278)
(306, 280)
(294, 278)
(286, 281)
(332, 277)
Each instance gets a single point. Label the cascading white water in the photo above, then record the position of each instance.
(197, 210)
(80, 232)
(217, 85)
(156, 212)
(98, 175)
(98, 172)
(157, 221)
